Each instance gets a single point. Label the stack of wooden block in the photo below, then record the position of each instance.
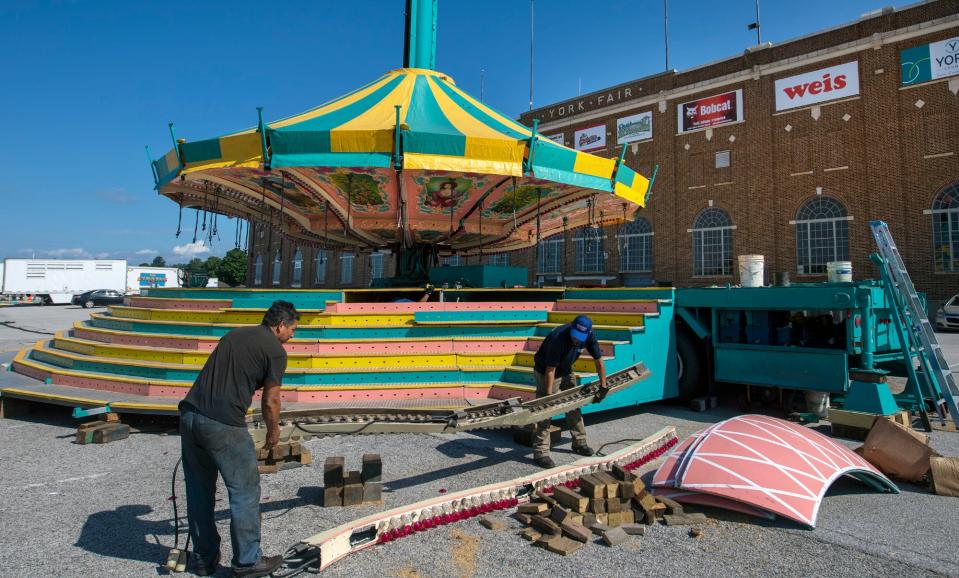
(352, 488)
(611, 505)
(281, 457)
(102, 431)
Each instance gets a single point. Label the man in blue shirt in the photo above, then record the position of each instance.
(554, 363)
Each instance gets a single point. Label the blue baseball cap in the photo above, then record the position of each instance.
(580, 327)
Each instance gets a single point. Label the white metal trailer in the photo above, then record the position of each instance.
(151, 277)
(58, 280)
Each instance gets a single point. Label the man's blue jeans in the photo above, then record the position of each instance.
(209, 447)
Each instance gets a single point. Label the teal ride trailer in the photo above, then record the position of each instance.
(805, 336)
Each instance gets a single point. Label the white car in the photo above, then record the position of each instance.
(947, 317)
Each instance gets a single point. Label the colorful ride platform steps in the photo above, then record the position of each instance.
(353, 348)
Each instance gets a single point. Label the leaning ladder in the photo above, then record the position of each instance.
(921, 333)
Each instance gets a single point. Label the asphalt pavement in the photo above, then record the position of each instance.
(104, 510)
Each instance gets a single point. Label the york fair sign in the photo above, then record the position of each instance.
(822, 85)
(930, 61)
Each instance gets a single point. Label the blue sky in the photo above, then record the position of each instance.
(87, 83)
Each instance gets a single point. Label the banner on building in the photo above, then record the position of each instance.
(591, 138)
(930, 61)
(634, 128)
(712, 111)
(557, 138)
(822, 85)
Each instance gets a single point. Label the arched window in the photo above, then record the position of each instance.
(822, 235)
(551, 254)
(346, 269)
(590, 257)
(945, 229)
(636, 247)
(712, 244)
(319, 267)
(297, 269)
(258, 271)
(276, 267)
(376, 266)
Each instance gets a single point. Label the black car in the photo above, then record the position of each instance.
(98, 298)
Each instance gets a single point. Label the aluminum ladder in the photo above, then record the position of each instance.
(921, 334)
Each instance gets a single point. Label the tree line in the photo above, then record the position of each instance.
(230, 269)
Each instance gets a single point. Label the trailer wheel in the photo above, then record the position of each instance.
(690, 364)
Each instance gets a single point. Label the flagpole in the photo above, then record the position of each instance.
(666, 30)
(532, 15)
(759, 35)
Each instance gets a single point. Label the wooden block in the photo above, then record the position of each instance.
(611, 483)
(262, 454)
(588, 520)
(532, 508)
(570, 499)
(111, 433)
(575, 531)
(614, 536)
(306, 457)
(332, 496)
(268, 469)
(542, 496)
(353, 490)
(659, 510)
(89, 425)
(622, 474)
(545, 525)
(867, 376)
(638, 486)
(296, 449)
(684, 520)
(634, 529)
(591, 487)
(598, 506)
(372, 492)
(649, 518)
(627, 514)
(544, 540)
(577, 518)
(614, 506)
(333, 473)
(614, 519)
(559, 514)
(672, 506)
(563, 546)
(85, 436)
(524, 435)
(279, 452)
(372, 468)
(524, 519)
(602, 519)
(598, 528)
(492, 522)
(530, 534)
(626, 490)
(111, 417)
(646, 502)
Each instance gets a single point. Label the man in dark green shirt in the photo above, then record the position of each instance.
(215, 440)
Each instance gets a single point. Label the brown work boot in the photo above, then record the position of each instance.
(206, 568)
(544, 462)
(266, 566)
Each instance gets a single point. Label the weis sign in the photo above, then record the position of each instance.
(590, 139)
(713, 111)
(840, 81)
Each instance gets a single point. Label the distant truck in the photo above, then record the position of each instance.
(56, 281)
(151, 277)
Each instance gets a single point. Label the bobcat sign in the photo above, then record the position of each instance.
(821, 85)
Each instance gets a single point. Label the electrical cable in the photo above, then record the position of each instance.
(599, 452)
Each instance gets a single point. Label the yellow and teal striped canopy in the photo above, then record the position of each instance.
(412, 119)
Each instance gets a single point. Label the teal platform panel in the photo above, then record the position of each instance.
(790, 367)
(487, 316)
(490, 276)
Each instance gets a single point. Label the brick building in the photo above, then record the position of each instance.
(786, 151)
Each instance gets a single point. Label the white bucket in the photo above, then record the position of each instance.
(839, 271)
(751, 269)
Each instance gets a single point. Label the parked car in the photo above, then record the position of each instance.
(947, 317)
(98, 298)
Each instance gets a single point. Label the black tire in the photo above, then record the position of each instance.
(691, 366)
(88, 304)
